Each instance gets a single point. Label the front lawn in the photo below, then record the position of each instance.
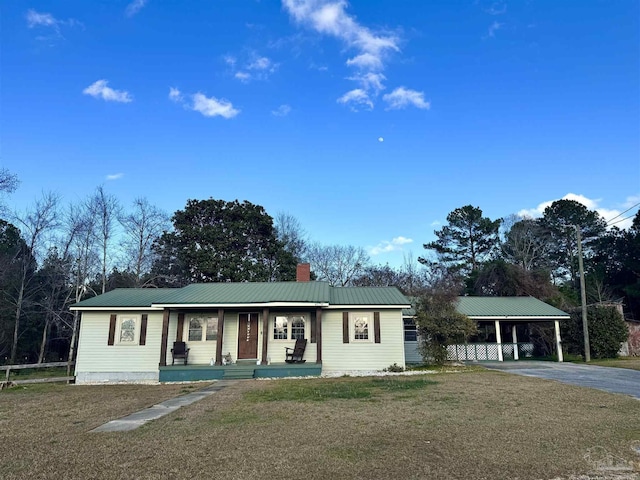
(621, 362)
(477, 425)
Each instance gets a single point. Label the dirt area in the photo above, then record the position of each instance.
(479, 425)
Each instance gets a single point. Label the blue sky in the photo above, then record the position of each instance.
(367, 120)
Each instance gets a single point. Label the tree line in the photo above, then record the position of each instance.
(53, 255)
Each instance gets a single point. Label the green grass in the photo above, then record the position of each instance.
(632, 363)
(30, 373)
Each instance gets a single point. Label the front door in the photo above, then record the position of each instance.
(248, 335)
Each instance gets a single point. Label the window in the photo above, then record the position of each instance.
(203, 329)
(280, 325)
(297, 328)
(410, 330)
(361, 323)
(288, 327)
(128, 330)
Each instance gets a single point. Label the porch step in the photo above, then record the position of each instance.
(238, 372)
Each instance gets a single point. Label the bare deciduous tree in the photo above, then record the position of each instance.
(337, 264)
(290, 232)
(34, 224)
(106, 209)
(141, 228)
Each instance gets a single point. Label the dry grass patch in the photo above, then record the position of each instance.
(445, 426)
(623, 362)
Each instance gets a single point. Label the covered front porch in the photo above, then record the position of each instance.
(238, 343)
(238, 371)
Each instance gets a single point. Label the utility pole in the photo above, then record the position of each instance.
(583, 295)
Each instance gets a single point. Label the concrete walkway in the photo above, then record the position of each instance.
(137, 419)
(609, 379)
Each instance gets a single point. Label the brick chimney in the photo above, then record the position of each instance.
(303, 272)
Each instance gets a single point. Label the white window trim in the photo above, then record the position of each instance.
(352, 327)
(205, 318)
(136, 334)
(272, 323)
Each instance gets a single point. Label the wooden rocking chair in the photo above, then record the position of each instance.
(179, 350)
(294, 355)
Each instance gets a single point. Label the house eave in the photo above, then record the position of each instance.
(241, 305)
(97, 309)
(369, 307)
(519, 317)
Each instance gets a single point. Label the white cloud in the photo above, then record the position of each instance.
(403, 97)
(281, 111)
(256, 67)
(134, 7)
(37, 19)
(329, 17)
(493, 28)
(114, 176)
(435, 223)
(498, 8)
(46, 20)
(592, 204)
(385, 246)
(259, 63)
(100, 89)
(175, 95)
(212, 107)
(356, 98)
(243, 76)
(381, 139)
(370, 81)
(207, 106)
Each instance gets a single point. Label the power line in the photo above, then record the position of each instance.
(621, 220)
(622, 213)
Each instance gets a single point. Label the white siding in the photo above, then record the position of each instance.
(276, 349)
(95, 356)
(230, 336)
(337, 356)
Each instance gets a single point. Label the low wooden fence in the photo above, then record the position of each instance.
(8, 368)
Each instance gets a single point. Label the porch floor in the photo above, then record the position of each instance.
(241, 370)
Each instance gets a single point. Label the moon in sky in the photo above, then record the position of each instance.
(380, 139)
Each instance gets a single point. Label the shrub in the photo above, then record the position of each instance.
(607, 331)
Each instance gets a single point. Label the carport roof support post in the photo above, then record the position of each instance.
(556, 325)
(499, 340)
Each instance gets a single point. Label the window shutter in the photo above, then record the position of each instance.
(376, 326)
(313, 327)
(345, 327)
(112, 329)
(143, 329)
(180, 327)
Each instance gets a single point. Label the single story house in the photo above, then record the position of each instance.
(506, 327)
(238, 330)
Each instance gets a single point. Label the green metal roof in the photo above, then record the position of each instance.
(507, 307)
(225, 293)
(247, 293)
(127, 297)
(367, 296)
(500, 307)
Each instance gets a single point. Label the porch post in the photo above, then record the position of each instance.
(265, 334)
(558, 341)
(220, 334)
(514, 337)
(165, 338)
(499, 340)
(318, 335)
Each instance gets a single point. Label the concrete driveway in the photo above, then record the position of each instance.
(614, 380)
